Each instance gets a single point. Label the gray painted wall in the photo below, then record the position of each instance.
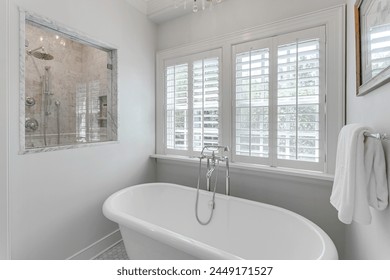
(4, 132)
(56, 197)
(367, 241)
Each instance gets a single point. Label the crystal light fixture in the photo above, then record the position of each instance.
(197, 4)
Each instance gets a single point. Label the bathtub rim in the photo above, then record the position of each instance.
(159, 233)
(178, 241)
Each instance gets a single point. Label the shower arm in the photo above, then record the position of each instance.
(34, 50)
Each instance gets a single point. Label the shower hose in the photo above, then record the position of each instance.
(197, 195)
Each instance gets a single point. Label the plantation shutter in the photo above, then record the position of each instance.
(298, 113)
(192, 97)
(177, 107)
(252, 103)
(205, 103)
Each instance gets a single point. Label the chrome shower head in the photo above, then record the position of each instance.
(43, 56)
(40, 55)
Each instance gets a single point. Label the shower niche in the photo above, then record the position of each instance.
(68, 87)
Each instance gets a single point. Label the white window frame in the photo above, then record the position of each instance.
(189, 59)
(332, 19)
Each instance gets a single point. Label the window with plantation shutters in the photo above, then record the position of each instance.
(192, 97)
(274, 95)
(252, 103)
(205, 102)
(279, 100)
(298, 99)
(177, 106)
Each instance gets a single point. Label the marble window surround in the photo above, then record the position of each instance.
(75, 36)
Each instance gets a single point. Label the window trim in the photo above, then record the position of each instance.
(333, 19)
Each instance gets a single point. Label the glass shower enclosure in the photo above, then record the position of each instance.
(69, 96)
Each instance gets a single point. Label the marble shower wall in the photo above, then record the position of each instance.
(79, 81)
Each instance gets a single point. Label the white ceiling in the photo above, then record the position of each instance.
(161, 10)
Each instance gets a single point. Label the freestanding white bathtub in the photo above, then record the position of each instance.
(157, 221)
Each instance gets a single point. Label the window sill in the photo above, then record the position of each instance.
(256, 167)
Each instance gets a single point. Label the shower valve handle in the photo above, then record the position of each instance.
(31, 124)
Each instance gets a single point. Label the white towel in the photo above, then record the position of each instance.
(375, 168)
(360, 178)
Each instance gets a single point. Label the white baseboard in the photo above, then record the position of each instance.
(95, 249)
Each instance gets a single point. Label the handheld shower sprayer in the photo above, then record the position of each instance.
(213, 161)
